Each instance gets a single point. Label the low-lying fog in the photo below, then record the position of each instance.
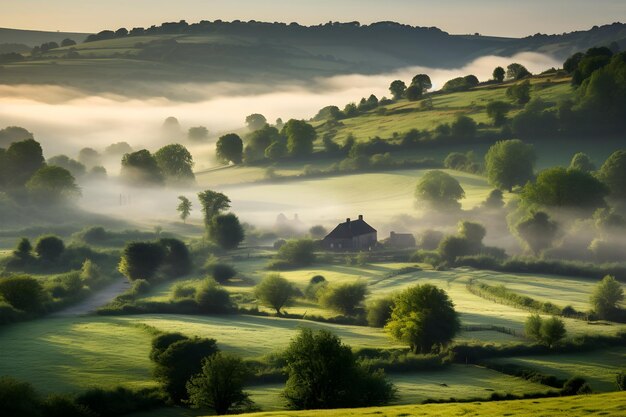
(66, 120)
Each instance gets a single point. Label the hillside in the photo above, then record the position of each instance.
(36, 37)
(586, 405)
(268, 52)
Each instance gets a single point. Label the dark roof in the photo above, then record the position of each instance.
(350, 229)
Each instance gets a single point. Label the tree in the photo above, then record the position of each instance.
(379, 311)
(519, 93)
(440, 190)
(89, 157)
(176, 258)
(198, 134)
(537, 231)
(497, 111)
(423, 317)
(259, 140)
(226, 231)
(219, 385)
(324, 373)
(571, 64)
(74, 167)
(566, 188)
(53, 184)
(413, 93)
(184, 208)
(552, 331)
(422, 81)
(49, 248)
(213, 203)
(300, 136)
(397, 89)
(318, 231)
(582, 162)
(141, 260)
(473, 232)
(463, 127)
(23, 159)
(509, 163)
(18, 398)
(213, 298)
(297, 252)
(255, 121)
(606, 297)
(532, 326)
(23, 250)
(175, 162)
(344, 298)
(68, 42)
(275, 292)
(516, 71)
(23, 292)
(498, 74)
(141, 168)
(118, 149)
(171, 128)
(222, 272)
(495, 200)
(276, 151)
(178, 358)
(452, 247)
(620, 381)
(11, 134)
(229, 148)
(613, 174)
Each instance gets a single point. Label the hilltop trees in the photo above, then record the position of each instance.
(76, 168)
(255, 121)
(509, 163)
(613, 174)
(606, 297)
(175, 162)
(300, 136)
(397, 89)
(516, 71)
(52, 184)
(498, 74)
(424, 318)
(141, 168)
(440, 190)
(566, 188)
(324, 373)
(275, 292)
(229, 148)
(422, 81)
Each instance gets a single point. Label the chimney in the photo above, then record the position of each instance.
(348, 220)
(360, 217)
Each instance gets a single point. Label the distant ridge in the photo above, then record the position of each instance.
(37, 37)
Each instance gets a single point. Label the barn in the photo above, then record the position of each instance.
(352, 235)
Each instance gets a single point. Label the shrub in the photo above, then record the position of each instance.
(23, 292)
(222, 272)
(430, 239)
(212, 298)
(219, 385)
(576, 386)
(140, 286)
(324, 373)
(176, 258)
(181, 290)
(18, 398)
(275, 292)
(297, 252)
(606, 297)
(118, 401)
(177, 359)
(49, 248)
(141, 260)
(64, 406)
(548, 331)
(620, 381)
(344, 298)
(379, 311)
(317, 284)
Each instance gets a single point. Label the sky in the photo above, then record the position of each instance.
(489, 17)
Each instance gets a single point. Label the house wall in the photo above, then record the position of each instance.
(365, 242)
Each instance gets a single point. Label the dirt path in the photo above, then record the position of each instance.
(96, 300)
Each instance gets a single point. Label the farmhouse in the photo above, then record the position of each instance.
(352, 235)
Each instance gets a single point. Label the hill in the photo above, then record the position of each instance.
(36, 37)
(268, 52)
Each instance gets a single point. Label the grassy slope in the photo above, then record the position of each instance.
(589, 405)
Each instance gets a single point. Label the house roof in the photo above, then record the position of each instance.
(350, 229)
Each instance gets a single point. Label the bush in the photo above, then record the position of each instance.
(379, 312)
(548, 331)
(212, 298)
(275, 292)
(141, 260)
(18, 398)
(324, 373)
(118, 401)
(606, 297)
(297, 252)
(430, 239)
(222, 272)
(49, 248)
(177, 358)
(620, 381)
(345, 298)
(64, 406)
(176, 258)
(181, 290)
(576, 386)
(317, 284)
(23, 293)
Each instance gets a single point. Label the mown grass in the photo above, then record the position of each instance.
(586, 405)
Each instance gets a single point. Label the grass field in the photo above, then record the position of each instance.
(612, 405)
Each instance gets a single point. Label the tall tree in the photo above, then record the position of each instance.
(613, 173)
(229, 148)
(141, 168)
(52, 184)
(397, 89)
(498, 74)
(422, 81)
(509, 163)
(606, 297)
(213, 203)
(300, 136)
(440, 190)
(184, 208)
(226, 231)
(23, 159)
(255, 121)
(175, 162)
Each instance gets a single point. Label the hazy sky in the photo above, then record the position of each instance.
(493, 17)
